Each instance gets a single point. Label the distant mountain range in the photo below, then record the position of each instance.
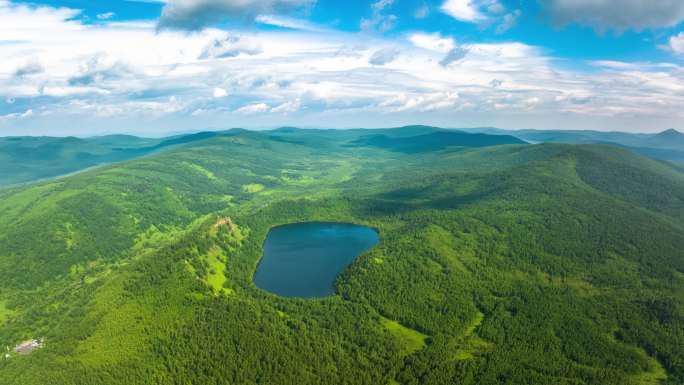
(667, 145)
(27, 159)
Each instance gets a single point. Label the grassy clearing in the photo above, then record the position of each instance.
(409, 339)
(444, 244)
(472, 344)
(477, 321)
(253, 188)
(210, 175)
(656, 374)
(216, 276)
(471, 347)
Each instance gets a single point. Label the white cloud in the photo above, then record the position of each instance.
(19, 22)
(433, 42)
(288, 107)
(676, 44)
(220, 92)
(464, 10)
(230, 46)
(289, 22)
(483, 12)
(423, 103)
(17, 115)
(105, 16)
(380, 21)
(255, 108)
(620, 16)
(62, 91)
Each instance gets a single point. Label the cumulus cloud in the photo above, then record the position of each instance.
(606, 15)
(676, 44)
(383, 56)
(464, 10)
(432, 42)
(98, 68)
(230, 46)
(483, 12)
(195, 15)
(424, 103)
(92, 72)
(380, 21)
(471, 11)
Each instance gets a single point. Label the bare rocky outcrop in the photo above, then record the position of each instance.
(225, 221)
(28, 346)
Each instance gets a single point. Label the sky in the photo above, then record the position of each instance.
(160, 67)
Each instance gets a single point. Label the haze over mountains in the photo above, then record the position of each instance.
(26, 159)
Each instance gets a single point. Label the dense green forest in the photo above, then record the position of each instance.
(498, 263)
(28, 159)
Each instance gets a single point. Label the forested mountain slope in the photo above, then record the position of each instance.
(514, 264)
(28, 159)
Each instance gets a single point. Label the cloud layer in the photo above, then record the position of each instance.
(617, 15)
(62, 73)
(194, 15)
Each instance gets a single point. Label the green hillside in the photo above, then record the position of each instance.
(507, 264)
(29, 159)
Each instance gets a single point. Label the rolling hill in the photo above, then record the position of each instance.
(27, 159)
(667, 145)
(498, 263)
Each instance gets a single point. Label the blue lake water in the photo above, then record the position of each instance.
(304, 259)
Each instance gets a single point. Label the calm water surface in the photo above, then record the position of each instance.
(304, 259)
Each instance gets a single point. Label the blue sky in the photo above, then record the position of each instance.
(77, 67)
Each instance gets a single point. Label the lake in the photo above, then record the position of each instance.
(304, 259)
